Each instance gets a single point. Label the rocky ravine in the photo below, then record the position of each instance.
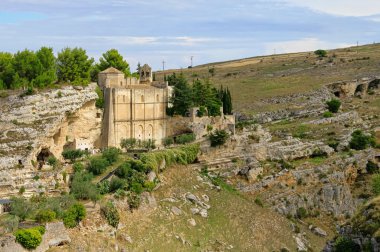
(43, 122)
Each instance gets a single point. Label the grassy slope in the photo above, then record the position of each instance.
(258, 78)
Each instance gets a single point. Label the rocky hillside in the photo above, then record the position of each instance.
(36, 126)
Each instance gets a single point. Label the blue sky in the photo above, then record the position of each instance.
(150, 31)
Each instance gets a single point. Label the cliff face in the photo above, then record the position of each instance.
(43, 123)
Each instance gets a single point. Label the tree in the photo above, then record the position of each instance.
(219, 137)
(111, 154)
(6, 70)
(182, 95)
(48, 64)
(112, 58)
(74, 66)
(27, 67)
(72, 155)
(361, 141)
(333, 105)
(320, 53)
(82, 188)
(20, 207)
(109, 211)
(97, 165)
(128, 143)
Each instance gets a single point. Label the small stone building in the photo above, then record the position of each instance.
(134, 108)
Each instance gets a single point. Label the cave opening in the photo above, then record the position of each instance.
(359, 90)
(374, 84)
(337, 94)
(43, 156)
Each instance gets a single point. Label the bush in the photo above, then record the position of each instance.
(82, 188)
(302, 213)
(78, 167)
(111, 214)
(259, 202)
(134, 200)
(45, 215)
(128, 143)
(111, 154)
(320, 53)
(29, 238)
(74, 215)
(53, 161)
(20, 207)
(361, 141)
(219, 137)
(117, 183)
(333, 143)
(97, 165)
(345, 244)
(333, 105)
(104, 187)
(328, 114)
(372, 167)
(376, 184)
(185, 138)
(72, 155)
(124, 170)
(168, 141)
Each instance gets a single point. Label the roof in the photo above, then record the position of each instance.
(112, 70)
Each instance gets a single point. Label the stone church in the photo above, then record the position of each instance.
(134, 108)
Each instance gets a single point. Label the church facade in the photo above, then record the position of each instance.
(134, 108)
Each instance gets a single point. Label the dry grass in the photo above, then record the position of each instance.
(253, 79)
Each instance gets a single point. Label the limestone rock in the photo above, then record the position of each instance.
(176, 211)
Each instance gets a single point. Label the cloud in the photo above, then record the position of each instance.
(353, 8)
(301, 45)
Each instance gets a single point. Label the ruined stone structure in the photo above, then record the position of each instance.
(134, 108)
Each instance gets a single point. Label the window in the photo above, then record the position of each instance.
(142, 98)
(158, 98)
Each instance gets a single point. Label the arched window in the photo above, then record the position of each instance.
(158, 98)
(142, 99)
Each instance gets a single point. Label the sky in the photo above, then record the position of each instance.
(149, 31)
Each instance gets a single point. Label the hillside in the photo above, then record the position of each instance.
(254, 80)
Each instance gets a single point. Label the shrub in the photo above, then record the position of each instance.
(22, 190)
(45, 215)
(104, 187)
(134, 200)
(82, 188)
(29, 238)
(333, 143)
(72, 155)
(128, 143)
(333, 105)
(97, 165)
(99, 103)
(53, 161)
(372, 167)
(302, 213)
(20, 207)
(185, 138)
(111, 214)
(124, 170)
(117, 183)
(328, 114)
(320, 53)
(376, 184)
(111, 154)
(78, 167)
(259, 202)
(168, 141)
(74, 215)
(219, 137)
(361, 141)
(136, 187)
(345, 244)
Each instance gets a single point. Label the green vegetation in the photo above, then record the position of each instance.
(320, 53)
(99, 103)
(74, 215)
(372, 167)
(97, 165)
(74, 66)
(218, 137)
(131, 144)
(302, 213)
(225, 97)
(111, 154)
(328, 114)
(111, 58)
(72, 155)
(111, 214)
(53, 161)
(200, 94)
(345, 244)
(376, 184)
(361, 141)
(45, 215)
(82, 188)
(185, 138)
(182, 155)
(30, 238)
(333, 105)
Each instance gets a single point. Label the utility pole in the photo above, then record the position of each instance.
(357, 46)
(191, 61)
(163, 65)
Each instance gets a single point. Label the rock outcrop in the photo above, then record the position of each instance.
(42, 123)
